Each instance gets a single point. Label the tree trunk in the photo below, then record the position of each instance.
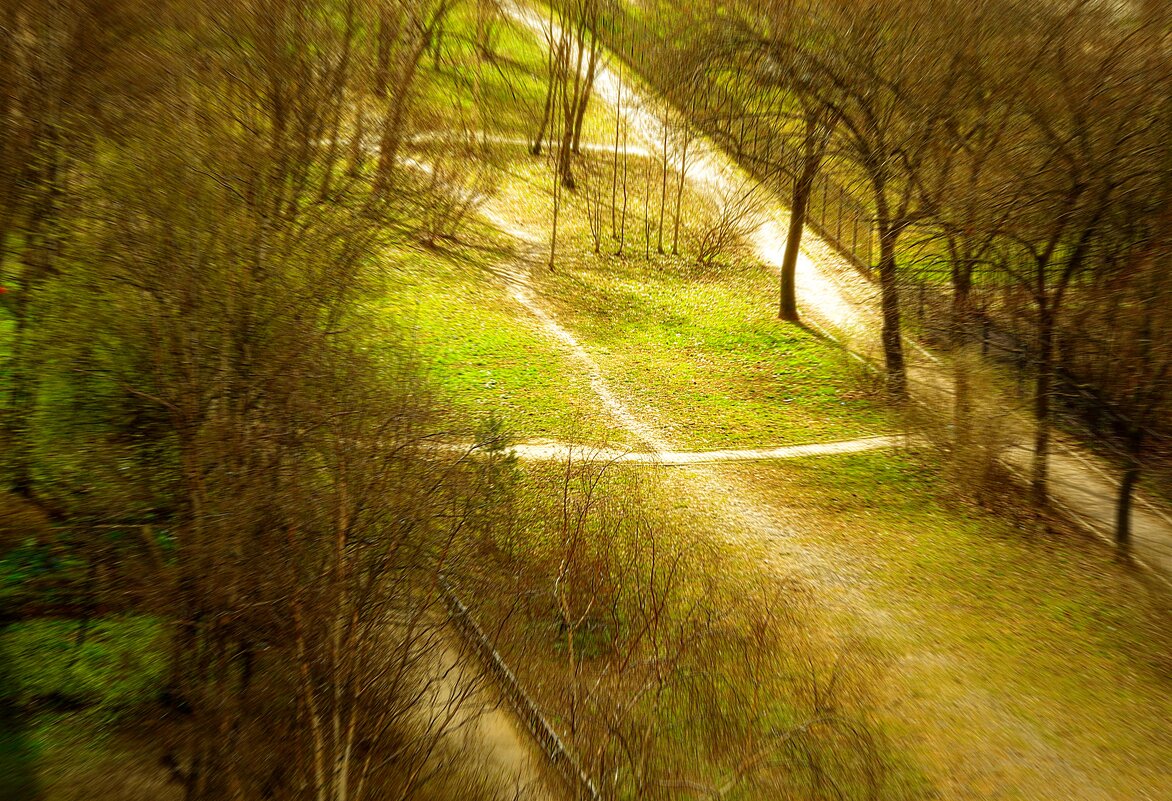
(554, 72)
(587, 90)
(662, 189)
(1131, 475)
(388, 33)
(565, 162)
(675, 234)
(1123, 513)
(803, 186)
(22, 398)
(392, 136)
(892, 339)
(37, 263)
(962, 279)
(1042, 389)
(961, 312)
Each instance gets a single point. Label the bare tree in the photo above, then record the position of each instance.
(1084, 108)
(406, 29)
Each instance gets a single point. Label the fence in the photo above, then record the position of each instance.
(561, 757)
(738, 125)
(832, 211)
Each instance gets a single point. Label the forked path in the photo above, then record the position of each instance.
(971, 737)
(846, 305)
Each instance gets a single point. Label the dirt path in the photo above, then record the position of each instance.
(487, 728)
(846, 305)
(521, 290)
(969, 737)
(550, 451)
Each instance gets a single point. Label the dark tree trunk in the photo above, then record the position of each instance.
(36, 266)
(392, 136)
(962, 283)
(962, 287)
(803, 186)
(1131, 475)
(566, 163)
(892, 338)
(1123, 512)
(1042, 391)
(388, 32)
(535, 148)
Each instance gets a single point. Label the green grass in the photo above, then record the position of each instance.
(1048, 625)
(484, 351)
(487, 353)
(119, 663)
(705, 354)
(697, 351)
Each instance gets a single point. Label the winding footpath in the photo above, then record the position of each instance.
(973, 738)
(837, 300)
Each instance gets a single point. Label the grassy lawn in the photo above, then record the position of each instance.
(487, 356)
(511, 83)
(696, 350)
(1046, 628)
(486, 353)
(704, 353)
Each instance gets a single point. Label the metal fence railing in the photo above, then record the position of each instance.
(563, 760)
(736, 123)
(832, 211)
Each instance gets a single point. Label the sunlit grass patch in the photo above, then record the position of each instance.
(698, 349)
(487, 355)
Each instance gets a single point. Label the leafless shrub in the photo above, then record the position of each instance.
(662, 671)
(737, 215)
(593, 181)
(455, 180)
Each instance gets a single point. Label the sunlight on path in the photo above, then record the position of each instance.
(838, 298)
(560, 451)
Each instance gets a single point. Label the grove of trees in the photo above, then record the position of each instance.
(208, 429)
(210, 434)
(201, 423)
(1008, 159)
